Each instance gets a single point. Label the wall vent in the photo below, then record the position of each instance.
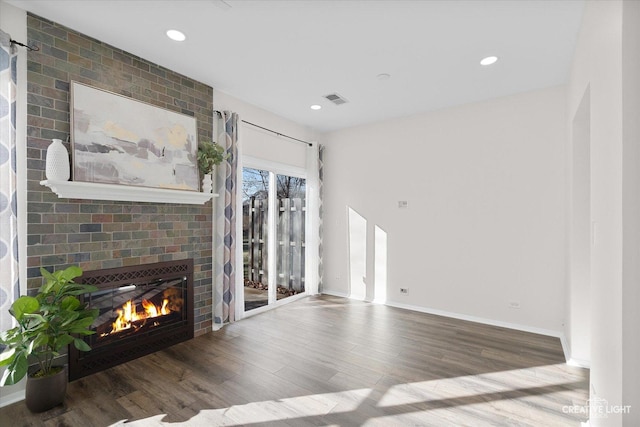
(336, 99)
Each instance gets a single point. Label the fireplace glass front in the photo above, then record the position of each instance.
(142, 309)
(133, 309)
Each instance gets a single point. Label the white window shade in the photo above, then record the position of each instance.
(265, 145)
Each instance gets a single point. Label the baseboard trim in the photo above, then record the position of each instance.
(580, 363)
(518, 327)
(572, 361)
(565, 347)
(335, 293)
(491, 322)
(6, 400)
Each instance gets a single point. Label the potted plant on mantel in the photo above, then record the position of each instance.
(47, 322)
(210, 154)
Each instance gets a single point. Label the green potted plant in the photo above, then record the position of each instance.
(210, 154)
(47, 322)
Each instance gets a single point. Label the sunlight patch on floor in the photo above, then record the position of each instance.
(266, 411)
(410, 402)
(470, 385)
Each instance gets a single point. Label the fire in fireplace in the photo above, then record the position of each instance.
(130, 318)
(137, 307)
(142, 309)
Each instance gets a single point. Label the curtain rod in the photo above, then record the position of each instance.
(6, 40)
(278, 133)
(273, 131)
(34, 48)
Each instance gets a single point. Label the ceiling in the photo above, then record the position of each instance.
(285, 56)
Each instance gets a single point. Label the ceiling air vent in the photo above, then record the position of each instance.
(336, 99)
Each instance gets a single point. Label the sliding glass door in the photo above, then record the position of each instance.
(273, 224)
(290, 232)
(255, 237)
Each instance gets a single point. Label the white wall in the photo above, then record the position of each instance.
(631, 210)
(578, 316)
(597, 66)
(14, 22)
(607, 65)
(485, 224)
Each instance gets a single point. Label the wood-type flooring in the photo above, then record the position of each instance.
(329, 361)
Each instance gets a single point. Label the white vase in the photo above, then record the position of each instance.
(207, 184)
(57, 162)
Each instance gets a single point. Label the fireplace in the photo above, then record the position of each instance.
(143, 309)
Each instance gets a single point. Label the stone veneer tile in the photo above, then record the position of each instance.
(90, 247)
(103, 234)
(101, 237)
(67, 207)
(131, 226)
(68, 248)
(112, 263)
(90, 208)
(48, 239)
(74, 238)
(65, 228)
(113, 209)
(111, 227)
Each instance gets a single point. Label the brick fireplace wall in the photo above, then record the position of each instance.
(103, 234)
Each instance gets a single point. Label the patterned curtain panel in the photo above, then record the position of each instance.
(9, 283)
(224, 259)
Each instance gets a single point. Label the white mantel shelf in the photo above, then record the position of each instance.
(125, 193)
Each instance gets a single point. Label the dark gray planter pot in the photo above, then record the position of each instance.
(45, 393)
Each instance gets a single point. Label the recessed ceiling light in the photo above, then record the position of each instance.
(489, 60)
(383, 76)
(176, 35)
(316, 107)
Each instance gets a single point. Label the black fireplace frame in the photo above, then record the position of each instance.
(83, 363)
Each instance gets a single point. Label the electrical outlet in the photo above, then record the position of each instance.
(404, 290)
(514, 304)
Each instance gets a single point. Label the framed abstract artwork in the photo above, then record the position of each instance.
(119, 140)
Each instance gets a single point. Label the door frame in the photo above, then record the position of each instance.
(274, 168)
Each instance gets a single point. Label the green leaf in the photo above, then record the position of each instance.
(77, 291)
(71, 273)
(82, 323)
(67, 317)
(7, 356)
(35, 319)
(5, 378)
(64, 340)
(89, 288)
(50, 281)
(30, 347)
(10, 336)
(48, 276)
(81, 345)
(15, 371)
(24, 305)
(70, 303)
(40, 340)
